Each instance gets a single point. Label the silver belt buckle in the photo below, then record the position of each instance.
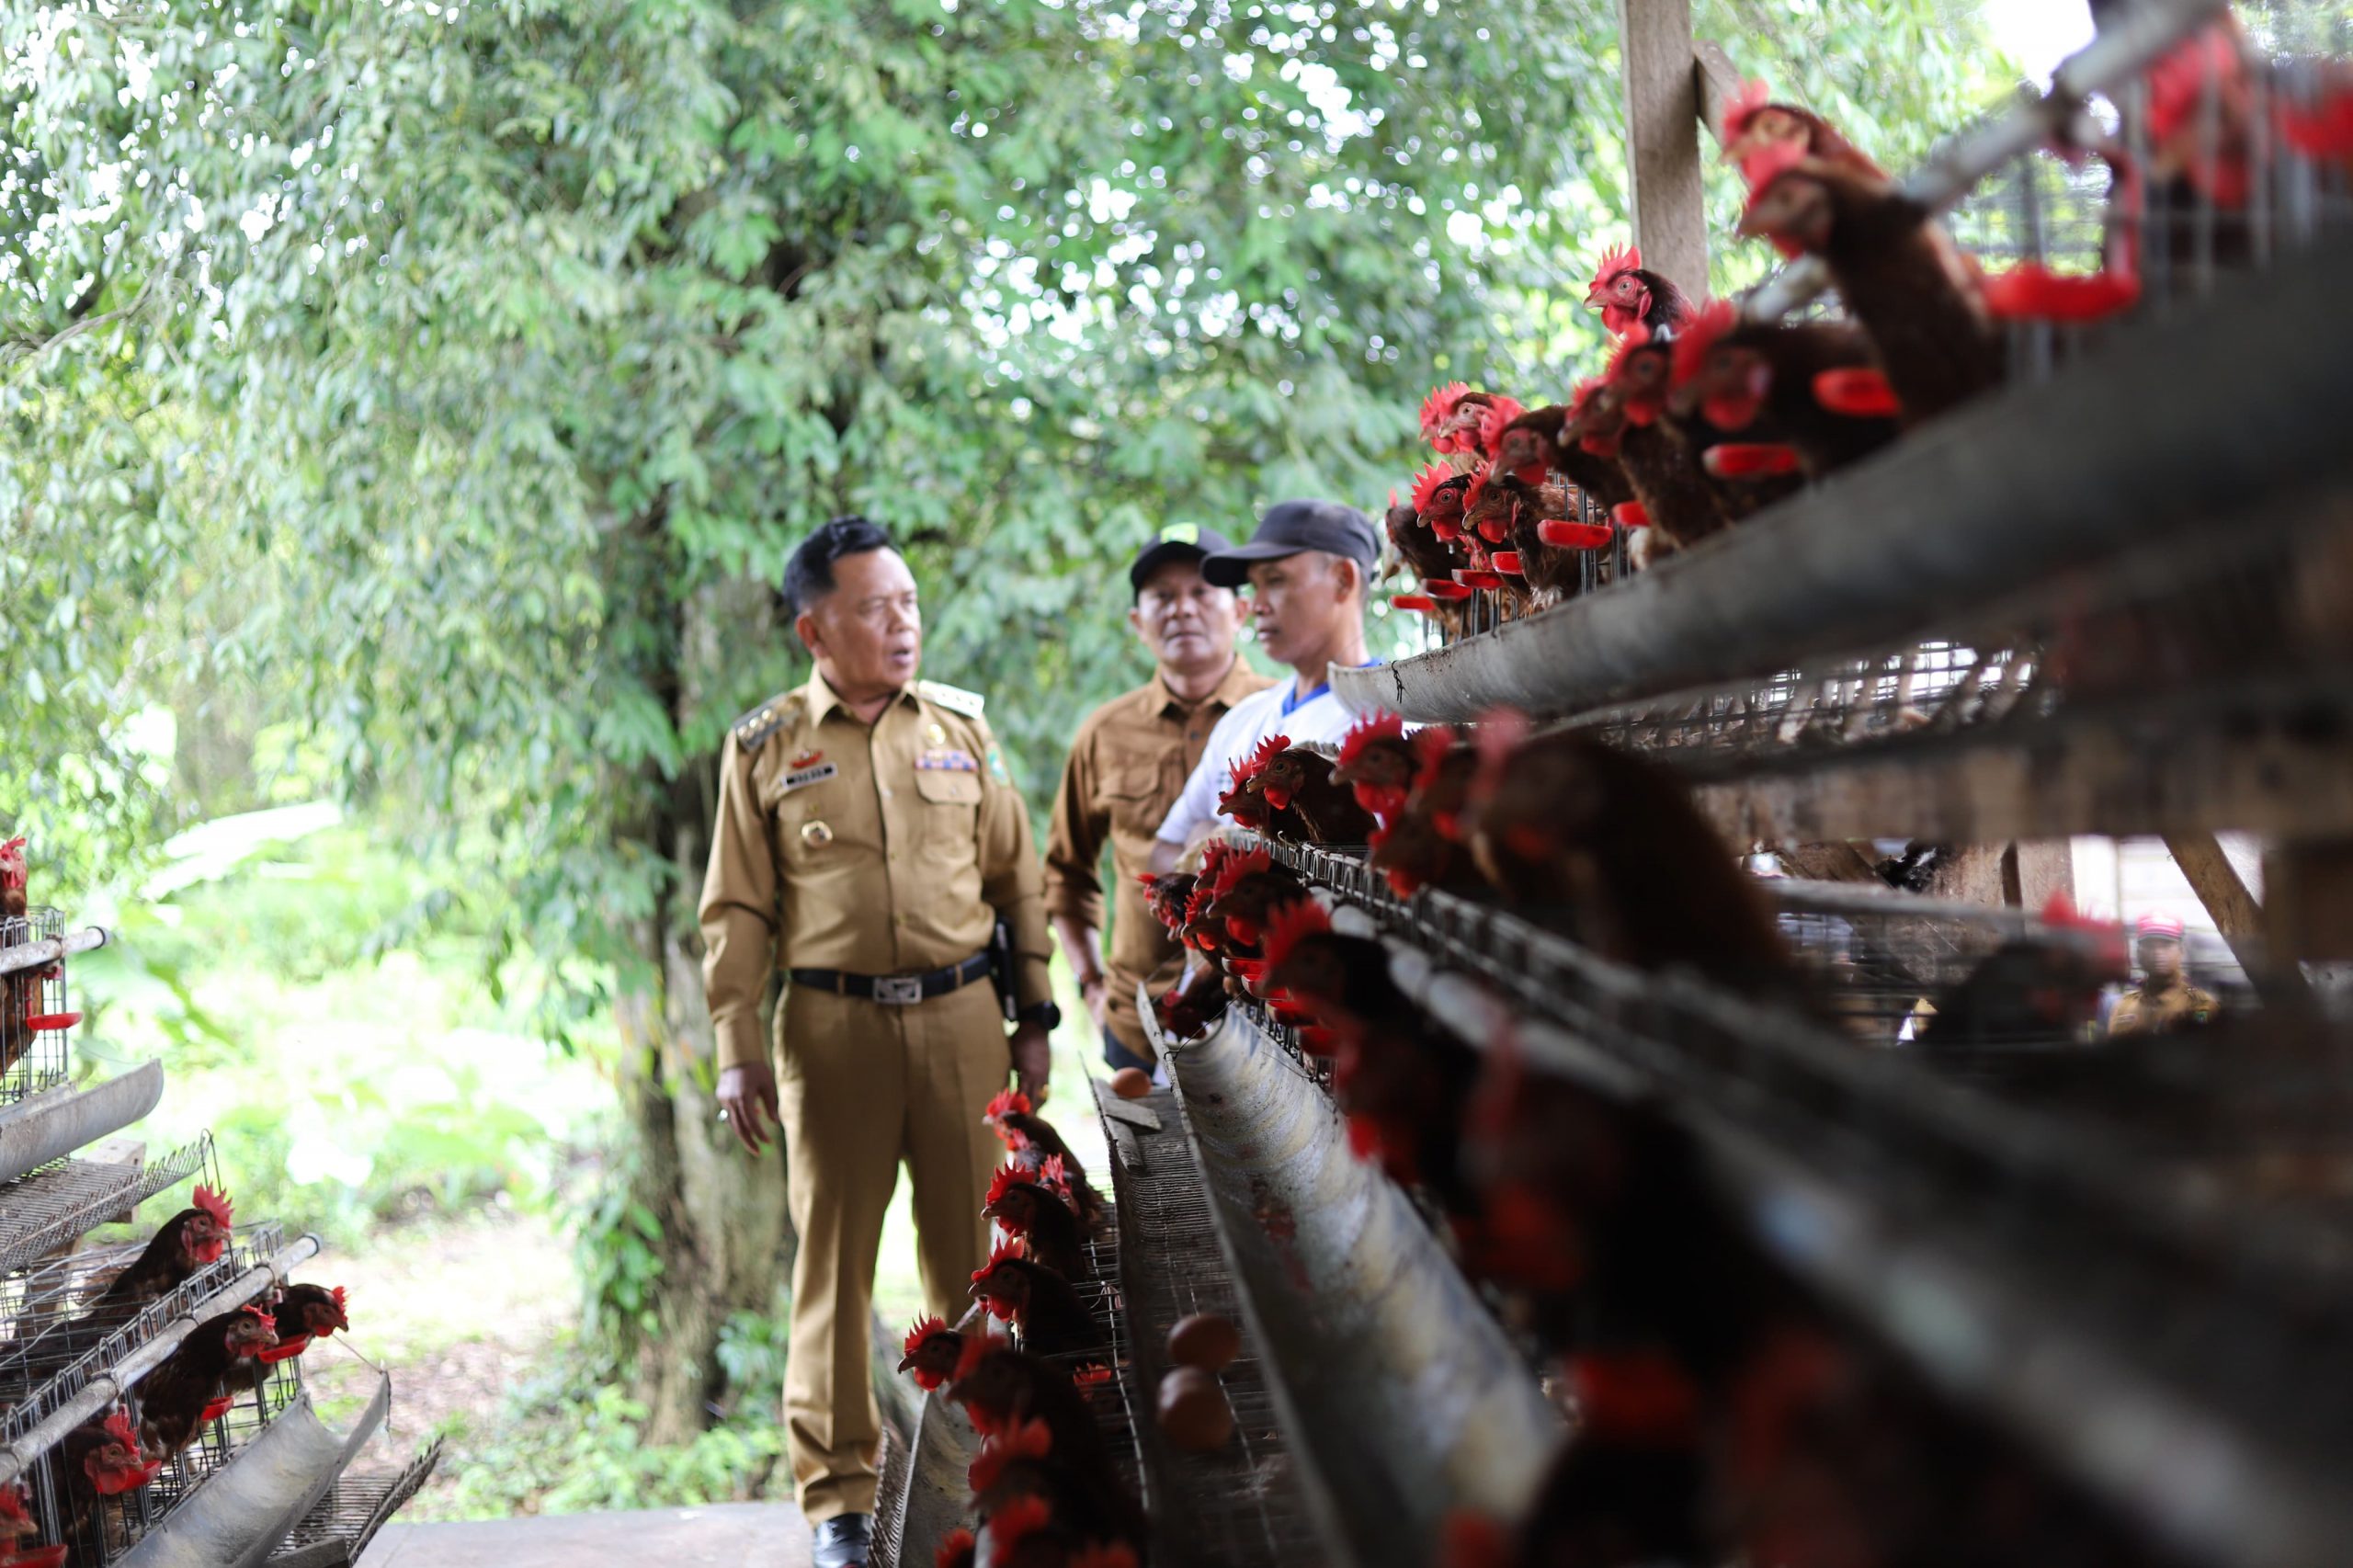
(898, 990)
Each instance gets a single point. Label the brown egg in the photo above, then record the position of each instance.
(1193, 1412)
(1132, 1082)
(1204, 1340)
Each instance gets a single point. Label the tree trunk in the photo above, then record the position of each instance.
(725, 1245)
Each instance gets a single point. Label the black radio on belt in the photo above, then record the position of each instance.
(1001, 967)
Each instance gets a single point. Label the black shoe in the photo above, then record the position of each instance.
(846, 1541)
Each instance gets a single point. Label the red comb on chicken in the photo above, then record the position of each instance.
(1630, 295)
(1500, 412)
(955, 1550)
(1376, 761)
(1029, 1440)
(931, 1352)
(1756, 127)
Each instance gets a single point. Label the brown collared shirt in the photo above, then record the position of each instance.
(881, 850)
(1129, 762)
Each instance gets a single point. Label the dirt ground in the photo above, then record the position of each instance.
(462, 1308)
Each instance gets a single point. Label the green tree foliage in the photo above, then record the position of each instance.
(468, 369)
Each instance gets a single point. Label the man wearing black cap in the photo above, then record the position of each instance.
(1307, 567)
(1132, 757)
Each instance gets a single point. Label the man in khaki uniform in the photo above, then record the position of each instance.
(2165, 1001)
(867, 841)
(1130, 757)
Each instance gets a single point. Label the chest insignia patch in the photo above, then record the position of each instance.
(947, 759)
(806, 759)
(800, 776)
(816, 834)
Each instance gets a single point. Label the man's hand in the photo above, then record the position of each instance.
(1032, 1060)
(744, 1092)
(1097, 994)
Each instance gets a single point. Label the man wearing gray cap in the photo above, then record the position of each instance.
(1309, 567)
(1130, 757)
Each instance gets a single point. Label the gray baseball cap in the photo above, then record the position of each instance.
(1290, 527)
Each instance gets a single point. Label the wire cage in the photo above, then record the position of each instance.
(56, 1340)
(47, 1209)
(1239, 1505)
(32, 1059)
(117, 1524)
(1104, 1375)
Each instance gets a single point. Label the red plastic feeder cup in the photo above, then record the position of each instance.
(1420, 604)
(1630, 514)
(39, 1022)
(1446, 592)
(1473, 579)
(1561, 533)
(1506, 561)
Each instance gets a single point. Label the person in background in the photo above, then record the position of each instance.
(2165, 1000)
(1309, 567)
(1130, 757)
(867, 842)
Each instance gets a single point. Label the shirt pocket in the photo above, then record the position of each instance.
(949, 814)
(1136, 797)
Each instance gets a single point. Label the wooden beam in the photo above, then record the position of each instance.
(2236, 916)
(1717, 79)
(2218, 886)
(1663, 139)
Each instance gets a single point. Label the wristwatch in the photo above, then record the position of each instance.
(1044, 1014)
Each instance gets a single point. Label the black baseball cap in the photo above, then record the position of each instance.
(1187, 543)
(1290, 526)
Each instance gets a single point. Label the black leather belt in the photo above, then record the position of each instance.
(893, 990)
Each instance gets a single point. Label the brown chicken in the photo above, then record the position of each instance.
(1022, 1463)
(1053, 1318)
(1025, 1204)
(1815, 387)
(1425, 845)
(187, 1389)
(1674, 495)
(1743, 478)
(1756, 130)
(188, 1241)
(97, 1460)
(1607, 847)
(1378, 762)
(1400, 1081)
(1033, 1141)
(1629, 295)
(1249, 887)
(1901, 280)
(1187, 1009)
(930, 1352)
(1297, 783)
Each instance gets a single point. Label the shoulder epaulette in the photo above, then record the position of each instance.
(955, 698)
(755, 727)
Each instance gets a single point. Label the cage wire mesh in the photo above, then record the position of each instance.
(1239, 1505)
(57, 1338)
(116, 1524)
(336, 1531)
(56, 1205)
(31, 1059)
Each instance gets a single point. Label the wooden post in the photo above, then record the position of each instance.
(1663, 139)
(2236, 914)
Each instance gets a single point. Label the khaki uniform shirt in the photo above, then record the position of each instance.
(888, 849)
(1127, 765)
(2161, 1010)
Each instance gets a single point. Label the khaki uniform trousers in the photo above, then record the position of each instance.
(863, 1086)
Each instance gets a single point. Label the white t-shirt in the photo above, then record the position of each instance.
(1249, 721)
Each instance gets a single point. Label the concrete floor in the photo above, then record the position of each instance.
(725, 1535)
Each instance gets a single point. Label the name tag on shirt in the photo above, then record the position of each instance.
(801, 778)
(945, 759)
